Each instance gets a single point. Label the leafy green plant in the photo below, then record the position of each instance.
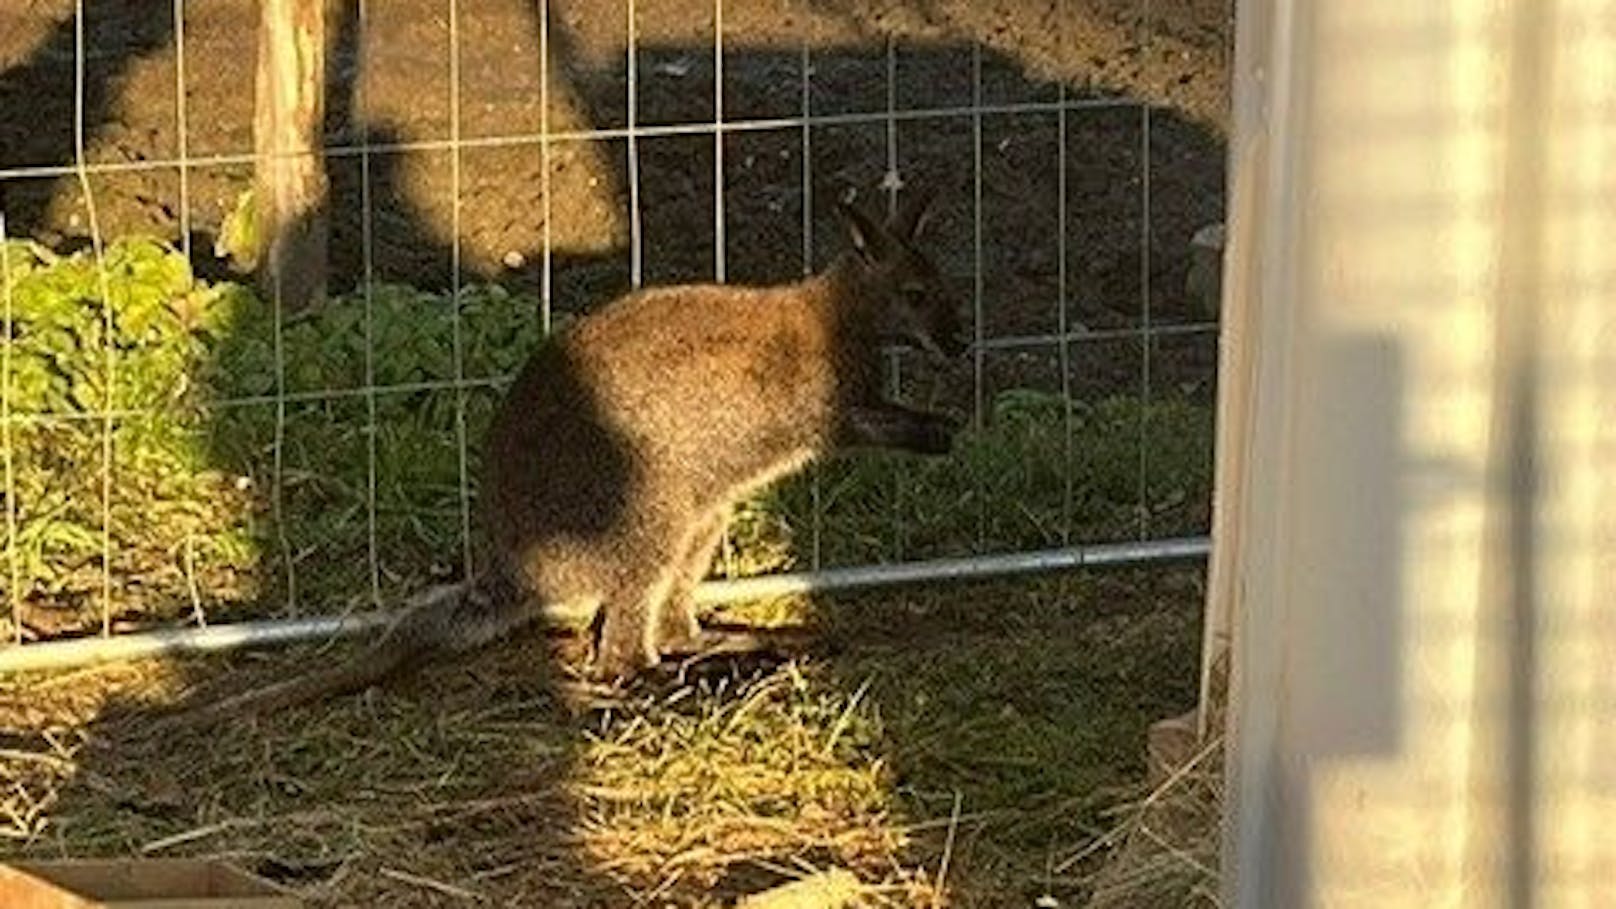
(107, 467)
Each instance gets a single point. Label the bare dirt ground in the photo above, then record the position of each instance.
(1027, 702)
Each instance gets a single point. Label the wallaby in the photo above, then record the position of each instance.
(619, 450)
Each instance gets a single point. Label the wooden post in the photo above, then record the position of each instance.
(290, 186)
(1419, 546)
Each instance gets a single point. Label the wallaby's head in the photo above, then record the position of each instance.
(912, 305)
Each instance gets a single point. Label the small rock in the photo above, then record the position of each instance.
(1204, 282)
(677, 68)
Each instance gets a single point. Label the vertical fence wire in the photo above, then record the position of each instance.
(182, 149)
(1061, 315)
(277, 498)
(108, 323)
(1146, 333)
(367, 251)
(727, 543)
(277, 501)
(892, 182)
(544, 167)
(181, 128)
(635, 264)
(462, 455)
(13, 568)
(816, 478)
(978, 329)
(718, 142)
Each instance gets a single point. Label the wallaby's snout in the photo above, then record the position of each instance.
(914, 305)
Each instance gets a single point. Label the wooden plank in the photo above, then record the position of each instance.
(291, 190)
(137, 884)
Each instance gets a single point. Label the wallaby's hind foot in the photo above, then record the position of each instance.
(619, 657)
(625, 644)
(677, 628)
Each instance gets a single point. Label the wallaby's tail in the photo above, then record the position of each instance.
(376, 665)
(445, 619)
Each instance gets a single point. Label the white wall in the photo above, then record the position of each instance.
(1415, 565)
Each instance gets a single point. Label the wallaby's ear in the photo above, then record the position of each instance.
(869, 240)
(914, 212)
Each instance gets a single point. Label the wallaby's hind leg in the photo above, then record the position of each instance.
(678, 630)
(681, 635)
(630, 608)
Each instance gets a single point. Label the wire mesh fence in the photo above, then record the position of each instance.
(178, 448)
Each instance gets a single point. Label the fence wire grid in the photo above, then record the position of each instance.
(800, 109)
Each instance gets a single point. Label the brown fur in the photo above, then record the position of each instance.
(619, 450)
